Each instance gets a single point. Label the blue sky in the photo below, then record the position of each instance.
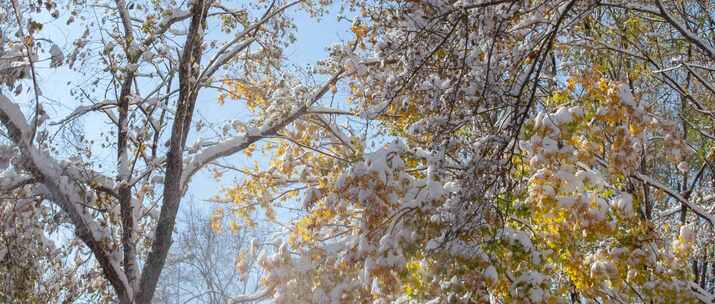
(313, 36)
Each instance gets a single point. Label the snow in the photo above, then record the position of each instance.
(386, 242)
(204, 156)
(576, 111)
(311, 195)
(531, 277)
(530, 20)
(452, 187)
(550, 146)
(9, 178)
(363, 246)
(490, 274)
(374, 111)
(566, 201)
(433, 244)
(13, 65)
(178, 32)
(56, 56)
(569, 180)
(627, 98)
(337, 132)
(148, 56)
(702, 294)
(562, 116)
(520, 82)
(602, 268)
(535, 160)
(64, 191)
(516, 237)
(683, 167)
(132, 67)
(533, 280)
(176, 12)
(536, 295)
(319, 296)
(83, 109)
(687, 233)
(624, 203)
(14, 114)
(538, 120)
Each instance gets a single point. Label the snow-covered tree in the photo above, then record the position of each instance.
(506, 152)
(100, 201)
(495, 151)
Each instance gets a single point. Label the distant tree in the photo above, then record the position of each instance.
(207, 265)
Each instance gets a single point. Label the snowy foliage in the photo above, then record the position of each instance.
(474, 151)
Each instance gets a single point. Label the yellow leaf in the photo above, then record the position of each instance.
(234, 226)
(571, 84)
(216, 220)
(359, 30)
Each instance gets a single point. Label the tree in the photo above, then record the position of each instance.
(208, 265)
(520, 152)
(143, 68)
(487, 151)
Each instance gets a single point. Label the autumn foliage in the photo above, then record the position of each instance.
(539, 151)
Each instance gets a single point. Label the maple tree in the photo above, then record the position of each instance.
(504, 152)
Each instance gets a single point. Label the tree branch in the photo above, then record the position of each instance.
(65, 194)
(672, 193)
(239, 143)
(179, 132)
(685, 32)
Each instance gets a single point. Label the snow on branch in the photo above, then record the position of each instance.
(684, 31)
(240, 142)
(10, 180)
(702, 294)
(63, 192)
(13, 65)
(324, 110)
(221, 60)
(84, 109)
(631, 6)
(88, 176)
(224, 54)
(14, 120)
(254, 297)
(663, 12)
(697, 209)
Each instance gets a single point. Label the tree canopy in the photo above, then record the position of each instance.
(469, 151)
